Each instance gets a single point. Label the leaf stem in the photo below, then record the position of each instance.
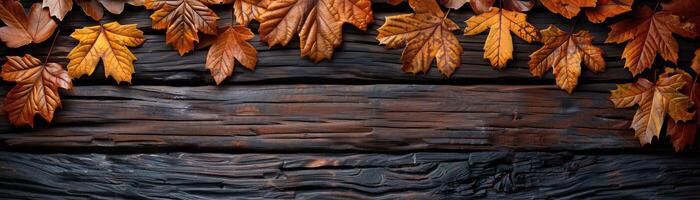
(53, 43)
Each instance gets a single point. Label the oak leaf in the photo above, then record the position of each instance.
(427, 35)
(92, 8)
(498, 47)
(318, 23)
(648, 33)
(230, 45)
(36, 91)
(683, 134)
(482, 6)
(564, 52)
(23, 29)
(596, 11)
(654, 100)
(183, 19)
(107, 42)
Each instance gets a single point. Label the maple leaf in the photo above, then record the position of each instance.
(567, 8)
(607, 8)
(654, 100)
(318, 23)
(182, 19)
(482, 6)
(564, 53)
(231, 44)
(683, 134)
(36, 91)
(498, 47)
(108, 42)
(427, 35)
(688, 9)
(247, 10)
(92, 8)
(650, 32)
(23, 29)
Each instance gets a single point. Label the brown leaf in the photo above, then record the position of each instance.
(394, 2)
(499, 45)
(482, 6)
(183, 19)
(92, 8)
(230, 45)
(687, 9)
(567, 8)
(36, 91)
(683, 134)
(654, 100)
(247, 10)
(607, 8)
(453, 4)
(564, 53)
(650, 32)
(427, 35)
(318, 23)
(58, 8)
(695, 64)
(23, 29)
(107, 42)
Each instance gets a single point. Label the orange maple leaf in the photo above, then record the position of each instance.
(230, 45)
(427, 35)
(182, 19)
(23, 29)
(318, 23)
(596, 11)
(654, 100)
(564, 53)
(499, 45)
(36, 91)
(650, 32)
(683, 134)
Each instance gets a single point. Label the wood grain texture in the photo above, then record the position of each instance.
(383, 117)
(420, 175)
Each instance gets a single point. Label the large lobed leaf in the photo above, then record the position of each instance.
(23, 29)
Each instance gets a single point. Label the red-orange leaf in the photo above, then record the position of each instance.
(36, 91)
(648, 33)
(23, 29)
(230, 45)
(247, 10)
(183, 19)
(564, 53)
(318, 22)
(607, 8)
(427, 35)
(567, 8)
(688, 9)
(683, 134)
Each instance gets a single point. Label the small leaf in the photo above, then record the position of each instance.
(23, 29)
(107, 42)
(230, 45)
(567, 8)
(36, 91)
(182, 19)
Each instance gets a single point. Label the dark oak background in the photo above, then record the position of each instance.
(353, 127)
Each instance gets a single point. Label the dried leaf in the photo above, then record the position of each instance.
(247, 10)
(607, 8)
(318, 23)
(230, 45)
(427, 35)
(499, 44)
(108, 42)
(454, 4)
(649, 33)
(92, 8)
(654, 100)
(683, 134)
(482, 6)
(182, 19)
(58, 8)
(687, 9)
(564, 53)
(695, 64)
(36, 91)
(567, 8)
(23, 29)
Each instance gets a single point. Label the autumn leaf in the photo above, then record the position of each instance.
(247, 10)
(394, 2)
(567, 8)
(482, 6)
(564, 52)
(318, 23)
(427, 35)
(648, 33)
(230, 45)
(695, 64)
(23, 29)
(36, 91)
(107, 42)
(92, 8)
(687, 9)
(596, 11)
(182, 19)
(683, 134)
(654, 100)
(454, 4)
(498, 47)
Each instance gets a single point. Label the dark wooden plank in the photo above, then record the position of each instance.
(359, 59)
(421, 175)
(330, 117)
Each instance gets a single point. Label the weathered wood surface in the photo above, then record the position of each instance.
(421, 175)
